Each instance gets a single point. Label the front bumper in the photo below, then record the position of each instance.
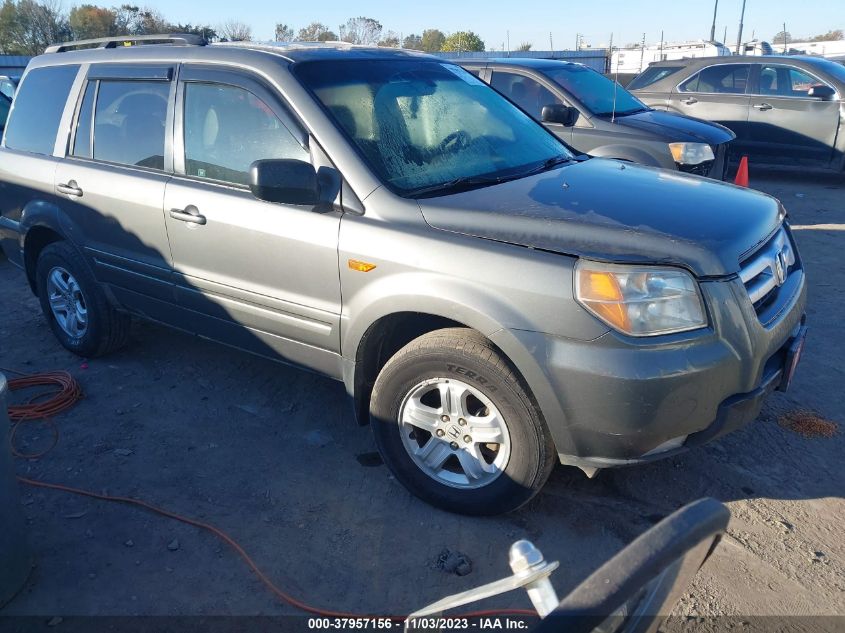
(619, 400)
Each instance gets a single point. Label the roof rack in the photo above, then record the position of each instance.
(174, 39)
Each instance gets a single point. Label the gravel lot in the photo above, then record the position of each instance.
(272, 456)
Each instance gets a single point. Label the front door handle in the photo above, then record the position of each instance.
(188, 214)
(70, 189)
(764, 106)
(691, 100)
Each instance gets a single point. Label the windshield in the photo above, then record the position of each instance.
(426, 127)
(594, 90)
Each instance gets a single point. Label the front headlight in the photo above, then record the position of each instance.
(640, 300)
(691, 153)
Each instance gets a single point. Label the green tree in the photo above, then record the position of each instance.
(525, 46)
(782, 37)
(27, 27)
(432, 40)
(88, 22)
(413, 42)
(830, 36)
(204, 31)
(463, 41)
(316, 32)
(134, 20)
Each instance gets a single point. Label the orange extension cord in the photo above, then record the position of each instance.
(45, 405)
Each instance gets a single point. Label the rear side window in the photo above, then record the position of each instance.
(651, 76)
(39, 104)
(722, 79)
(129, 123)
(82, 138)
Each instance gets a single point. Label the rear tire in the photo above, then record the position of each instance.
(75, 305)
(456, 426)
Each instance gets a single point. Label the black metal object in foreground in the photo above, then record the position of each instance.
(15, 555)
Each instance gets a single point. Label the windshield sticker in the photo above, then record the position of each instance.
(467, 76)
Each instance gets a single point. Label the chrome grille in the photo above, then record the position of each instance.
(767, 269)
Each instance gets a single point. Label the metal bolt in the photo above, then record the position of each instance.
(467, 439)
(440, 432)
(454, 445)
(444, 418)
(462, 422)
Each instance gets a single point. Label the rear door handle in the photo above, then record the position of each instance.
(188, 214)
(763, 106)
(70, 189)
(691, 100)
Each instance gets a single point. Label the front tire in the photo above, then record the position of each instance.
(455, 425)
(75, 305)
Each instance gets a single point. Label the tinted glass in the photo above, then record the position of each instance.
(227, 129)
(7, 88)
(129, 122)
(652, 75)
(786, 81)
(5, 105)
(525, 92)
(600, 95)
(834, 69)
(40, 101)
(82, 137)
(426, 127)
(723, 79)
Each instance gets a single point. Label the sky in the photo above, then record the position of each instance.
(531, 21)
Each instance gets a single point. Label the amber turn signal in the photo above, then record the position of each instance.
(361, 267)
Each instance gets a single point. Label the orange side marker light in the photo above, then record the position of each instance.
(361, 267)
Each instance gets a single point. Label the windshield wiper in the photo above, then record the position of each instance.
(456, 184)
(469, 182)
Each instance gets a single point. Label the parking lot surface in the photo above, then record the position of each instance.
(272, 455)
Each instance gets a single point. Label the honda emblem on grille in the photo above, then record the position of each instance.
(780, 267)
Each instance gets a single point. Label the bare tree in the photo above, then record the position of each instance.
(525, 46)
(234, 31)
(284, 33)
(361, 30)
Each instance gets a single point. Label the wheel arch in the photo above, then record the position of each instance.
(36, 239)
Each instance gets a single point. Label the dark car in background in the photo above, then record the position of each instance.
(596, 116)
(786, 110)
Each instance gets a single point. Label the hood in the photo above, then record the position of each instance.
(673, 128)
(617, 212)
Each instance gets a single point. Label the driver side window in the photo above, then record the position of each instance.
(227, 128)
(527, 93)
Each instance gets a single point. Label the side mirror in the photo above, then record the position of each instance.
(285, 181)
(821, 91)
(556, 113)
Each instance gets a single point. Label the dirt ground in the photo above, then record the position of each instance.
(272, 456)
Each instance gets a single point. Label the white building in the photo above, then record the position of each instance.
(635, 60)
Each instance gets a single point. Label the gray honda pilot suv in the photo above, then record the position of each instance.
(492, 302)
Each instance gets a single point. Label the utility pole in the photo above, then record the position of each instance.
(642, 54)
(739, 35)
(725, 36)
(508, 34)
(713, 28)
(577, 41)
(784, 38)
(551, 46)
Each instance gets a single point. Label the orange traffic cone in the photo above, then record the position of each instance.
(742, 173)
